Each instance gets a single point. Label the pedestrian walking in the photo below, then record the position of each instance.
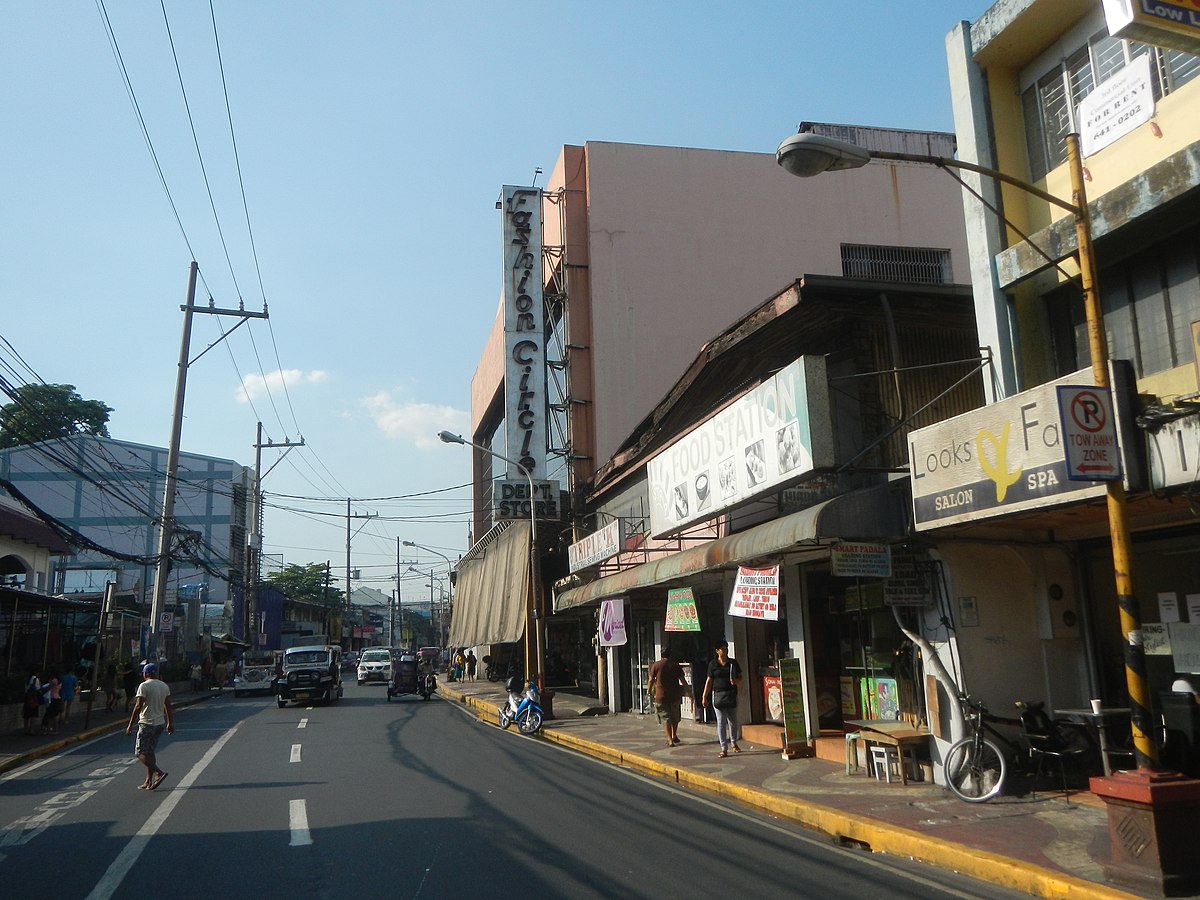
(472, 663)
(666, 685)
(153, 714)
(724, 675)
(129, 681)
(109, 684)
(53, 693)
(195, 676)
(33, 702)
(68, 688)
(220, 673)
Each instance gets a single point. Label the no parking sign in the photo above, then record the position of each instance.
(1089, 433)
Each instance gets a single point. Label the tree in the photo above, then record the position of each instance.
(44, 412)
(305, 583)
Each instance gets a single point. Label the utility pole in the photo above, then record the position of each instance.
(368, 517)
(254, 544)
(398, 601)
(167, 525)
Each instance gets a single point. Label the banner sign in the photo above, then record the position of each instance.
(612, 622)
(860, 559)
(769, 436)
(525, 405)
(795, 723)
(681, 611)
(595, 547)
(1117, 106)
(756, 594)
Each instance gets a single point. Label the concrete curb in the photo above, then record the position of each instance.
(880, 837)
(16, 762)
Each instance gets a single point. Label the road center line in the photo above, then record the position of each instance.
(298, 823)
(108, 884)
(295, 753)
(303, 723)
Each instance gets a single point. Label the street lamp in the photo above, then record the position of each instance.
(449, 580)
(534, 604)
(808, 154)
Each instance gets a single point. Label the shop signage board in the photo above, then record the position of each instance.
(612, 622)
(681, 611)
(511, 499)
(595, 547)
(1004, 458)
(1089, 433)
(770, 436)
(791, 683)
(756, 594)
(524, 332)
(860, 559)
(1119, 105)
(1164, 23)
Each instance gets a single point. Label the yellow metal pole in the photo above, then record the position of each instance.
(1145, 750)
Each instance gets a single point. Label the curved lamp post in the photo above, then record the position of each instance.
(806, 155)
(535, 606)
(449, 581)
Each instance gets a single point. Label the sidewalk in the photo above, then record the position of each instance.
(18, 748)
(1045, 846)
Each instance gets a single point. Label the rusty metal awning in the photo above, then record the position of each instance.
(875, 513)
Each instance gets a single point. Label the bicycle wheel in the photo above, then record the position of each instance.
(975, 770)
(530, 721)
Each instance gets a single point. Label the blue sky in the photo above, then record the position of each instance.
(373, 139)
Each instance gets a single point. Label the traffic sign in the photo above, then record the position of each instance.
(166, 622)
(1089, 433)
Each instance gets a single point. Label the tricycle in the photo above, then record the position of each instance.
(410, 676)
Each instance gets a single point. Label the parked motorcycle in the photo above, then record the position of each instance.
(524, 710)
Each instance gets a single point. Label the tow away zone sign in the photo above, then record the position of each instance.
(1089, 433)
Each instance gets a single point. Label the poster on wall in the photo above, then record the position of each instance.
(1168, 606)
(612, 622)
(681, 611)
(1193, 608)
(756, 594)
(1155, 639)
(1185, 647)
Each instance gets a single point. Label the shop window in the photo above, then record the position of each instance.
(1050, 105)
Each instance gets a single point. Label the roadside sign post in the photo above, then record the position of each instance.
(1089, 433)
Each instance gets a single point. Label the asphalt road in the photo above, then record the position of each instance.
(400, 799)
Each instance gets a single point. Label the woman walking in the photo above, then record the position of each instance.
(724, 675)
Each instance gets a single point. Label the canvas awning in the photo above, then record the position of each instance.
(872, 514)
(491, 596)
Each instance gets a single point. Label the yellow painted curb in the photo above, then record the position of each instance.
(879, 836)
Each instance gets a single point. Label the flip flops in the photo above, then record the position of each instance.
(157, 781)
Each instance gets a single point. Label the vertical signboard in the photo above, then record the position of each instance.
(795, 722)
(612, 622)
(681, 611)
(524, 334)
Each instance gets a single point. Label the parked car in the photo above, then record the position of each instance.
(310, 673)
(375, 665)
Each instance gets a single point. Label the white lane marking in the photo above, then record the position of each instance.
(108, 884)
(298, 824)
(295, 753)
(303, 723)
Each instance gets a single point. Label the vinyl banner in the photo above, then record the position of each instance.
(756, 594)
(612, 622)
(681, 611)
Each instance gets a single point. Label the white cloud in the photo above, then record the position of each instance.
(418, 423)
(255, 386)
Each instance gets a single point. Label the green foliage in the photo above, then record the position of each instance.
(43, 412)
(305, 583)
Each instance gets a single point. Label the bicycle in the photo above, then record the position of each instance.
(975, 767)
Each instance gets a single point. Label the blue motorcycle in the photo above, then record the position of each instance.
(524, 710)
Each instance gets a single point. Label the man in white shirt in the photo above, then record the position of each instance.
(152, 712)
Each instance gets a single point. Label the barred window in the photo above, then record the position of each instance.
(915, 265)
(1050, 106)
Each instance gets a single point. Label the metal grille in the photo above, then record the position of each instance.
(914, 265)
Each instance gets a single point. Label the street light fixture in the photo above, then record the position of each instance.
(809, 154)
(449, 582)
(534, 604)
